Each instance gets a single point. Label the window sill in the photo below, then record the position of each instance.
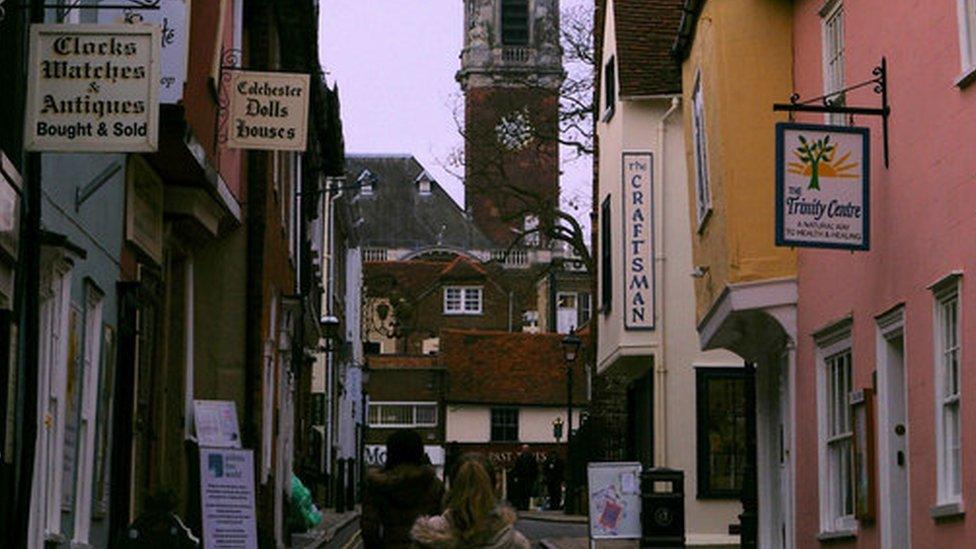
(837, 535)
(947, 511)
(967, 77)
(452, 313)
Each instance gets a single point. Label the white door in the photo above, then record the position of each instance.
(894, 445)
(785, 476)
(86, 424)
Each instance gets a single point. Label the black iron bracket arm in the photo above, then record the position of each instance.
(827, 102)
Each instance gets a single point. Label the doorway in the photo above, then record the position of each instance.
(893, 433)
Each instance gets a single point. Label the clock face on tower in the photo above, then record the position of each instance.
(514, 130)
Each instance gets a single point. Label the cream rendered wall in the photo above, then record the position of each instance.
(472, 423)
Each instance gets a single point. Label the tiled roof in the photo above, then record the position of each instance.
(511, 368)
(410, 277)
(402, 362)
(396, 215)
(646, 30)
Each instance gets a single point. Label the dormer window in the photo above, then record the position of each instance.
(423, 183)
(366, 181)
(515, 22)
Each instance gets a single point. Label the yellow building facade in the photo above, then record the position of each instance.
(736, 62)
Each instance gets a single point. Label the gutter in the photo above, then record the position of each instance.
(691, 10)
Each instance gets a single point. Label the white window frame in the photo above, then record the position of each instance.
(413, 404)
(967, 40)
(947, 397)
(89, 412)
(834, 47)
(703, 191)
(462, 305)
(832, 345)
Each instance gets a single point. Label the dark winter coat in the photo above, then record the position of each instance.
(394, 499)
(438, 533)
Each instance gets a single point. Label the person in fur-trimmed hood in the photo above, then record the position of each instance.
(474, 518)
(406, 488)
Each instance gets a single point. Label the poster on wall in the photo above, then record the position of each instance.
(638, 232)
(822, 181)
(93, 88)
(268, 111)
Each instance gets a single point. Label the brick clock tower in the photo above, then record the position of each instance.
(511, 72)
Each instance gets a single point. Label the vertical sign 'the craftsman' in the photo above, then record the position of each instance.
(268, 110)
(93, 88)
(638, 220)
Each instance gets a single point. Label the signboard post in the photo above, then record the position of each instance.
(638, 230)
(93, 88)
(822, 182)
(615, 500)
(268, 111)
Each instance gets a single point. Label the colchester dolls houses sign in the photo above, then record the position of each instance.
(822, 186)
(93, 88)
(268, 110)
(638, 220)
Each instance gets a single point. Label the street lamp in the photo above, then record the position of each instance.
(571, 344)
(557, 429)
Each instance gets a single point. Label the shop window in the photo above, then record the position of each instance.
(721, 421)
(835, 429)
(515, 22)
(833, 57)
(947, 371)
(504, 425)
(703, 192)
(967, 36)
(609, 88)
(462, 300)
(606, 259)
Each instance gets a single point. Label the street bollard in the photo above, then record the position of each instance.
(663, 508)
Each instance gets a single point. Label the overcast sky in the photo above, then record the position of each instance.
(394, 62)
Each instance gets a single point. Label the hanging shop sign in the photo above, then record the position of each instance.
(268, 110)
(822, 186)
(93, 88)
(638, 221)
(174, 36)
(227, 498)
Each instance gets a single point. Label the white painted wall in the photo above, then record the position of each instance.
(472, 423)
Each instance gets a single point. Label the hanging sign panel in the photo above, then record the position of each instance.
(268, 110)
(93, 88)
(638, 220)
(822, 185)
(174, 37)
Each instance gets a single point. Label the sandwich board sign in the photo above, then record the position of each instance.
(615, 500)
(822, 183)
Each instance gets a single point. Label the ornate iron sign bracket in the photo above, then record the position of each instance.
(828, 102)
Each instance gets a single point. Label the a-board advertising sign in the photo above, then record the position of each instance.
(93, 88)
(268, 111)
(227, 498)
(615, 500)
(822, 183)
(174, 39)
(638, 232)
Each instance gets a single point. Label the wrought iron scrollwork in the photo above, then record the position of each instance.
(231, 59)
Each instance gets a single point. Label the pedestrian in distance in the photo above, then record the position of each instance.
(473, 518)
(525, 473)
(553, 474)
(396, 495)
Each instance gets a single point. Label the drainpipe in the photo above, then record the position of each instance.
(330, 354)
(660, 366)
(510, 306)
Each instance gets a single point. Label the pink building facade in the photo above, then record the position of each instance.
(895, 320)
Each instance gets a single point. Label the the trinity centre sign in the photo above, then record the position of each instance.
(268, 110)
(822, 181)
(638, 221)
(93, 88)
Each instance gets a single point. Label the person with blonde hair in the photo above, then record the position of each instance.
(473, 516)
